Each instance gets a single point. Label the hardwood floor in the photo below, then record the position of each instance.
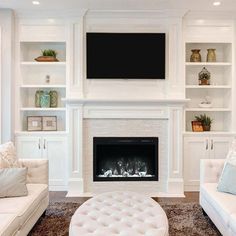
(61, 197)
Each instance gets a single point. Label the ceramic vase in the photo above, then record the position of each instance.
(196, 56)
(211, 55)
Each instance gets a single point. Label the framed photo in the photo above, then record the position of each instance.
(34, 123)
(49, 123)
(197, 126)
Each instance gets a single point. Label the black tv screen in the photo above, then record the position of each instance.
(126, 55)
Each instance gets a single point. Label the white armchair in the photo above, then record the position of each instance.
(220, 207)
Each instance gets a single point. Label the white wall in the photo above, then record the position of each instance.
(7, 68)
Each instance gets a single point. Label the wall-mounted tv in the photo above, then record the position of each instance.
(126, 55)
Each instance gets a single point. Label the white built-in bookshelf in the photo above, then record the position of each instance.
(219, 91)
(33, 76)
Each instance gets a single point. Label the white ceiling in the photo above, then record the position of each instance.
(206, 5)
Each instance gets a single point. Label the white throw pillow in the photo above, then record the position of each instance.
(13, 182)
(8, 157)
(227, 182)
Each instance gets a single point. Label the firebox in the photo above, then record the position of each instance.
(125, 159)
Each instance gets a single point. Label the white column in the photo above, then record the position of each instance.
(75, 160)
(175, 183)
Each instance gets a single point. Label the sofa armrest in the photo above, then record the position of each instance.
(210, 170)
(37, 170)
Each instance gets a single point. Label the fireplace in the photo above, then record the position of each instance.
(125, 159)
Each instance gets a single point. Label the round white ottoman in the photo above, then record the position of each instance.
(119, 213)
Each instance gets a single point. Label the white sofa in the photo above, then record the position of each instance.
(19, 214)
(220, 207)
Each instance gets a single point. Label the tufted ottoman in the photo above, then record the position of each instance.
(119, 213)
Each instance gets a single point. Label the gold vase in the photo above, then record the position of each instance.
(196, 56)
(211, 55)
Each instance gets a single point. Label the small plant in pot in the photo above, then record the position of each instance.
(48, 55)
(204, 77)
(206, 121)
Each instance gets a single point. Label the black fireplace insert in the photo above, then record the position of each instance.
(125, 159)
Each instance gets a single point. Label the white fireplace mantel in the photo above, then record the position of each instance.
(160, 101)
(168, 109)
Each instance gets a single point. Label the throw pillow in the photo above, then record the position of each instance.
(13, 182)
(227, 182)
(8, 156)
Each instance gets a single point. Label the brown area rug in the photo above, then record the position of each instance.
(185, 219)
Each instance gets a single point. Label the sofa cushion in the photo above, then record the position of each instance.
(13, 182)
(9, 224)
(232, 223)
(223, 203)
(8, 157)
(23, 207)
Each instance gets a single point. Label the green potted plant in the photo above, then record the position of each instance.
(206, 121)
(48, 55)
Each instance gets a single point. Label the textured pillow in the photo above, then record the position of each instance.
(13, 182)
(8, 156)
(227, 182)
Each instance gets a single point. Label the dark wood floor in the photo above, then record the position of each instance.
(61, 196)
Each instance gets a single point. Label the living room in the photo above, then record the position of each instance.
(117, 117)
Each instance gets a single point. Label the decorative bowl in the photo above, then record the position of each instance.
(205, 105)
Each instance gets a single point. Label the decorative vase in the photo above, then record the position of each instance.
(38, 94)
(211, 55)
(45, 100)
(196, 56)
(53, 98)
(206, 127)
(204, 77)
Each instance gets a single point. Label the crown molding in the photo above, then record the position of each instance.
(210, 15)
(42, 14)
(135, 13)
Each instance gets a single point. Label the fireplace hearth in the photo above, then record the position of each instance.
(125, 159)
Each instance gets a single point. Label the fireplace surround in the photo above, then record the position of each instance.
(125, 159)
(91, 118)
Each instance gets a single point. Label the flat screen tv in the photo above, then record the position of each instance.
(125, 55)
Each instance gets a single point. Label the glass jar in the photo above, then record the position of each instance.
(53, 98)
(45, 100)
(37, 97)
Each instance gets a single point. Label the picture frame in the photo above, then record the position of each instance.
(34, 123)
(197, 126)
(49, 123)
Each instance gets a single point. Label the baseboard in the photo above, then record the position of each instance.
(75, 187)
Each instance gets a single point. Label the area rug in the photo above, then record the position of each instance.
(185, 219)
